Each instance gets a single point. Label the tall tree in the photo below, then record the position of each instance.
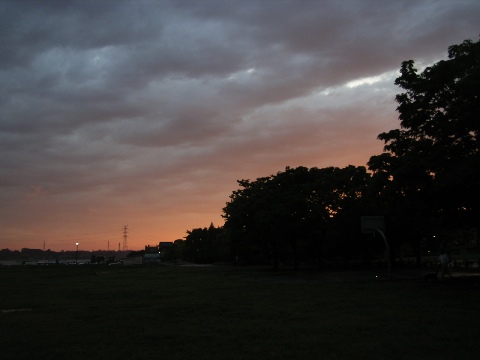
(431, 164)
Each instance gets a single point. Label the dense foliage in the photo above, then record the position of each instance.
(292, 215)
(429, 173)
(425, 182)
(203, 245)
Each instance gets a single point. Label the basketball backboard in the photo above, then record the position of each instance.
(370, 223)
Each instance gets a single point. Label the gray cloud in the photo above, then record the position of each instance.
(147, 112)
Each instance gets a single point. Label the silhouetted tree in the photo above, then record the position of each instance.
(179, 249)
(136, 253)
(287, 216)
(200, 244)
(429, 173)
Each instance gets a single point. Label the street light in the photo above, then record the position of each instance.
(76, 255)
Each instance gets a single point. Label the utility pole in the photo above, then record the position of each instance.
(108, 245)
(125, 230)
(76, 255)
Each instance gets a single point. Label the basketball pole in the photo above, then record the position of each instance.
(388, 250)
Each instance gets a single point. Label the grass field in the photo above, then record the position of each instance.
(172, 312)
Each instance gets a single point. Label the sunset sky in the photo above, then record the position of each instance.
(146, 113)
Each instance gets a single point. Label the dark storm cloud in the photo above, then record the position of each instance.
(162, 105)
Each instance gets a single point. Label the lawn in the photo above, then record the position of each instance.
(172, 312)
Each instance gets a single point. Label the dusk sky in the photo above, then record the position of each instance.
(146, 113)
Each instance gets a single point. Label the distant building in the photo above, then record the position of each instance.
(152, 254)
(152, 249)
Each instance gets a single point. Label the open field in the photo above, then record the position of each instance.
(172, 312)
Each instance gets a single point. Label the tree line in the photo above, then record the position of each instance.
(425, 184)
